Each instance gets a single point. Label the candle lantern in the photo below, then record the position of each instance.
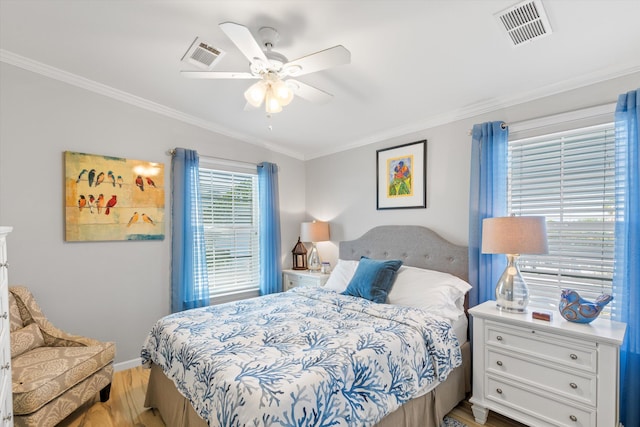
(299, 255)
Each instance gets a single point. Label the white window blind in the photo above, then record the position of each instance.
(569, 178)
(231, 229)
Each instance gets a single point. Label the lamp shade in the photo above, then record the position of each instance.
(283, 92)
(314, 231)
(272, 103)
(514, 235)
(255, 94)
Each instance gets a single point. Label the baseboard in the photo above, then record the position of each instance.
(123, 366)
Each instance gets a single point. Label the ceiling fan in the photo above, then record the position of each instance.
(275, 87)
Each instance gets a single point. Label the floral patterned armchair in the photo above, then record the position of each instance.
(53, 372)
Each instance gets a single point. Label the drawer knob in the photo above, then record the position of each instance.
(499, 337)
(5, 366)
(499, 363)
(573, 385)
(499, 390)
(573, 418)
(7, 418)
(4, 264)
(4, 315)
(573, 356)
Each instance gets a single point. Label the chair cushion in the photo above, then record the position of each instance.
(26, 339)
(42, 374)
(53, 412)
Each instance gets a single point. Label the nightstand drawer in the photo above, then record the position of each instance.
(290, 282)
(556, 412)
(293, 278)
(568, 352)
(580, 387)
(294, 281)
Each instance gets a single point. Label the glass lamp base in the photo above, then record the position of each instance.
(512, 294)
(314, 259)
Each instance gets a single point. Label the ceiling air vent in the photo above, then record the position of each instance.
(203, 55)
(525, 22)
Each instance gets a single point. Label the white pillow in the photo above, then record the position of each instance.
(341, 275)
(413, 276)
(439, 293)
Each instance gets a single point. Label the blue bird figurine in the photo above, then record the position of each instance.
(574, 308)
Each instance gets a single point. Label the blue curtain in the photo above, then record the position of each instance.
(626, 274)
(189, 279)
(270, 265)
(487, 198)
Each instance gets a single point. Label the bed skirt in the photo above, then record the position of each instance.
(425, 411)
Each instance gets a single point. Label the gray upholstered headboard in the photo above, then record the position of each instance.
(415, 245)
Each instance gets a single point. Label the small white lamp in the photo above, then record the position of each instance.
(314, 232)
(512, 236)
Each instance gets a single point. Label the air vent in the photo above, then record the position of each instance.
(525, 22)
(203, 55)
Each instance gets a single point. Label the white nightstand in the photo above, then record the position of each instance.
(555, 373)
(293, 278)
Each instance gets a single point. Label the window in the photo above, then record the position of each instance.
(569, 178)
(231, 230)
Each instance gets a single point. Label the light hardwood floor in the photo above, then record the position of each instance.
(126, 408)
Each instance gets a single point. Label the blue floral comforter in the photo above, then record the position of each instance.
(307, 357)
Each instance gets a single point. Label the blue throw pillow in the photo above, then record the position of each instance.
(373, 279)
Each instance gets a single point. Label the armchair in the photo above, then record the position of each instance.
(53, 372)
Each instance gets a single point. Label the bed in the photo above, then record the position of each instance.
(419, 249)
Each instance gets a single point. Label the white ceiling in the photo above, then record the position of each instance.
(414, 63)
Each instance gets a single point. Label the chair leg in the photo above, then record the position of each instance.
(105, 392)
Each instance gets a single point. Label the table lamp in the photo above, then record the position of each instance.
(314, 232)
(513, 236)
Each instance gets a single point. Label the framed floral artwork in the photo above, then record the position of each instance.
(112, 198)
(402, 176)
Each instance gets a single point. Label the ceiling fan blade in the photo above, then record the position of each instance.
(244, 40)
(217, 75)
(249, 107)
(309, 93)
(337, 55)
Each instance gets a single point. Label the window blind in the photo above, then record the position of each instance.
(567, 177)
(231, 228)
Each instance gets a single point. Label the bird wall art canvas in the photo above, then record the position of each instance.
(112, 198)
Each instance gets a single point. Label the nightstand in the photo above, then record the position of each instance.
(541, 373)
(293, 278)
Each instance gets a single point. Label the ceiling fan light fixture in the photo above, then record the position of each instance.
(272, 103)
(256, 93)
(282, 92)
(271, 67)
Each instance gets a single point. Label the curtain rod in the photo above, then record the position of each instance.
(540, 122)
(503, 126)
(232, 162)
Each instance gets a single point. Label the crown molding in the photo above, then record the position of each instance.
(433, 121)
(486, 107)
(75, 80)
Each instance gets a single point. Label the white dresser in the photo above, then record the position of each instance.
(541, 373)
(293, 278)
(6, 402)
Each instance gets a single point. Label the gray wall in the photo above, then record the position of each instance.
(107, 290)
(346, 197)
